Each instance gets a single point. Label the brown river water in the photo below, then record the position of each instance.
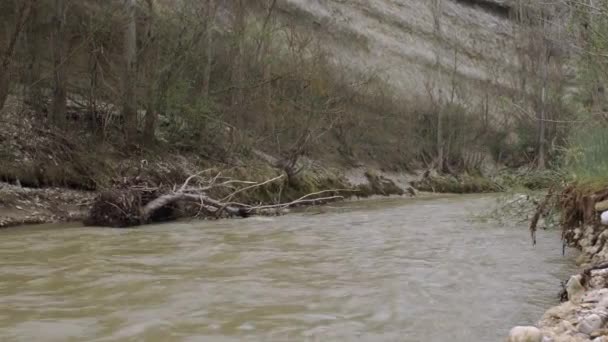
(387, 270)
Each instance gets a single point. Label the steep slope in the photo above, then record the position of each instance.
(399, 40)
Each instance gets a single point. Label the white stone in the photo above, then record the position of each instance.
(603, 303)
(602, 313)
(525, 334)
(575, 289)
(604, 218)
(595, 296)
(590, 324)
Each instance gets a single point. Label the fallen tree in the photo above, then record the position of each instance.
(135, 202)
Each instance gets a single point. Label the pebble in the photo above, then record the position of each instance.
(525, 334)
(601, 312)
(595, 296)
(575, 289)
(600, 333)
(604, 218)
(590, 324)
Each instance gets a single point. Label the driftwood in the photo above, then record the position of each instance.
(142, 204)
(540, 211)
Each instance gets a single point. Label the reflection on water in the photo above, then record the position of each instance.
(400, 270)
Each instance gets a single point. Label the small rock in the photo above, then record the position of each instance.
(599, 333)
(595, 296)
(525, 334)
(603, 303)
(600, 312)
(566, 327)
(604, 218)
(601, 206)
(590, 323)
(575, 289)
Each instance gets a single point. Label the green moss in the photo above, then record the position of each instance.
(379, 185)
(463, 184)
(529, 180)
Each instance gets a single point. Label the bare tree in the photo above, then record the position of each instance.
(542, 114)
(238, 67)
(535, 33)
(152, 74)
(23, 12)
(130, 77)
(437, 11)
(263, 50)
(34, 41)
(209, 27)
(58, 109)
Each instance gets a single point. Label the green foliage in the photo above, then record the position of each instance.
(530, 180)
(587, 157)
(462, 184)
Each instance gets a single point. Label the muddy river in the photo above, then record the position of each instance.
(389, 270)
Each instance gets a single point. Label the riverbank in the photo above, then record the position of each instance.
(20, 205)
(24, 206)
(39, 161)
(51, 175)
(583, 313)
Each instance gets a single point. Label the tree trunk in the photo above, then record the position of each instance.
(264, 51)
(58, 110)
(23, 13)
(437, 10)
(129, 111)
(34, 71)
(542, 118)
(93, 84)
(542, 115)
(209, 26)
(238, 68)
(152, 77)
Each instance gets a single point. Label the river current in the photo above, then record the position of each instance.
(386, 270)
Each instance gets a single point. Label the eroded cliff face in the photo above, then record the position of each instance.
(472, 40)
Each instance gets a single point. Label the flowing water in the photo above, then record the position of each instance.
(398, 270)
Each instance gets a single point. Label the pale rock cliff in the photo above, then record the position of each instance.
(398, 39)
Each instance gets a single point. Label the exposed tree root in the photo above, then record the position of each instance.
(577, 206)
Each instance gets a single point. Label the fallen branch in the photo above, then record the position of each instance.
(255, 185)
(141, 203)
(304, 199)
(540, 210)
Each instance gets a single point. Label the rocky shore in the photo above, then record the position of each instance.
(22, 205)
(582, 317)
(583, 314)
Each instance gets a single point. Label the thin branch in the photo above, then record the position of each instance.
(257, 185)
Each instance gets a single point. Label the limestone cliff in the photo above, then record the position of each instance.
(474, 40)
